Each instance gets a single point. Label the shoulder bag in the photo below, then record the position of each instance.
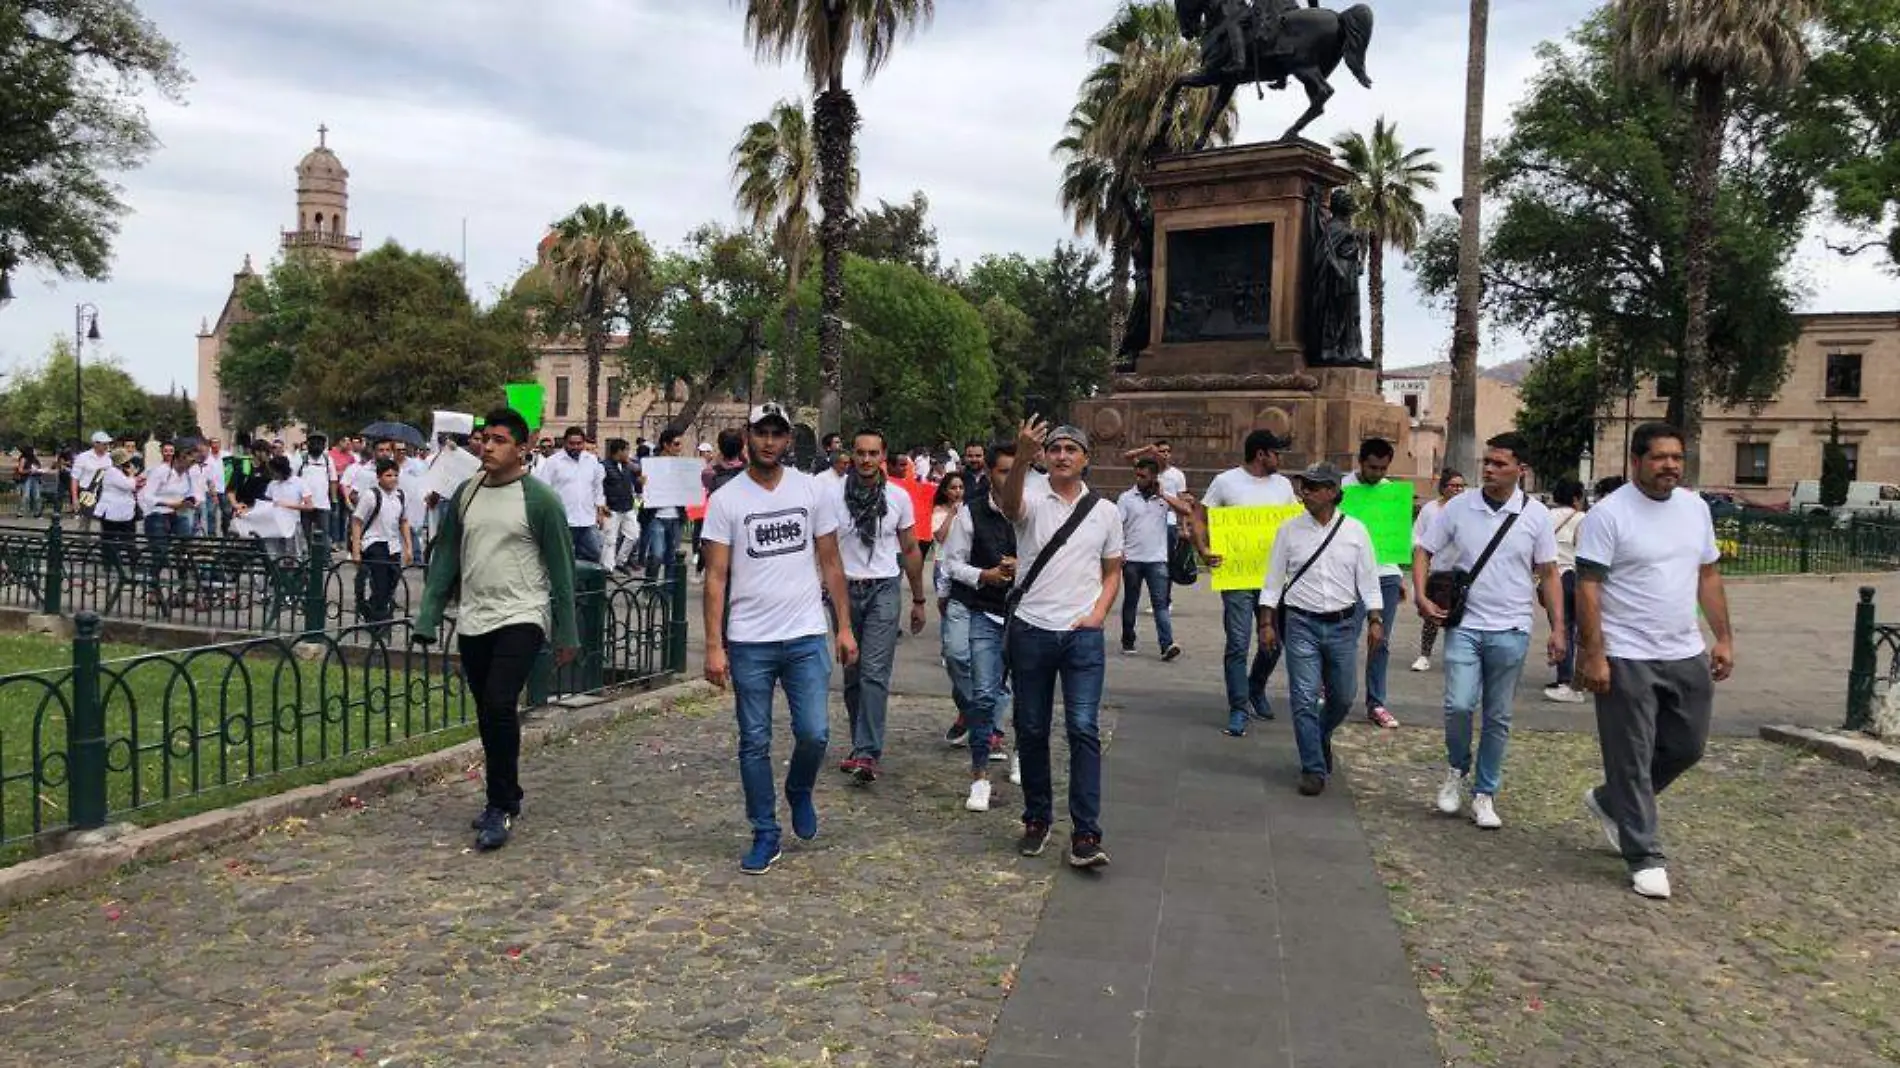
(1459, 590)
(1082, 509)
(1279, 610)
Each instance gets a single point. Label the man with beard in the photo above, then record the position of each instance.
(769, 535)
(1255, 483)
(876, 527)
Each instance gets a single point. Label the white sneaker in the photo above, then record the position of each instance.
(979, 796)
(1451, 792)
(1423, 663)
(1015, 770)
(1484, 813)
(1563, 694)
(1610, 832)
(1651, 882)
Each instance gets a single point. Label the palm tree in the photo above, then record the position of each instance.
(822, 33)
(1386, 183)
(1103, 150)
(1461, 429)
(595, 260)
(1708, 47)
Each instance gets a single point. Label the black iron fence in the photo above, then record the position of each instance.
(1876, 663)
(1771, 543)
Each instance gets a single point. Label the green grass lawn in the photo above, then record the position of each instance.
(191, 730)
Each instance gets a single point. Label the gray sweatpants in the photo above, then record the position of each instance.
(1652, 727)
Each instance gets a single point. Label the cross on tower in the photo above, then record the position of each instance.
(322, 132)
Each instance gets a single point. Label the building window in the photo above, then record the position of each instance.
(1411, 405)
(1751, 463)
(1665, 384)
(1843, 375)
(613, 398)
(560, 397)
(1852, 452)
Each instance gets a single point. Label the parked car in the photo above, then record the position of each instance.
(1722, 505)
(1865, 500)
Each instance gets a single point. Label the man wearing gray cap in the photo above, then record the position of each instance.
(1068, 572)
(1322, 579)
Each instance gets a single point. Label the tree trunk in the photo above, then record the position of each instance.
(1462, 430)
(836, 122)
(1711, 94)
(1375, 291)
(791, 345)
(1117, 298)
(596, 343)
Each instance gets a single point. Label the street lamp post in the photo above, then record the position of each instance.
(85, 328)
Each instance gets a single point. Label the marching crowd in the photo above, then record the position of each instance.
(804, 569)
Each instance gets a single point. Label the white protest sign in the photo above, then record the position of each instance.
(672, 481)
(451, 467)
(451, 423)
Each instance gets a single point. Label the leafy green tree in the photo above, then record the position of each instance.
(170, 414)
(775, 167)
(70, 75)
(709, 321)
(1386, 182)
(393, 335)
(597, 265)
(1834, 474)
(1850, 123)
(36, 399)
(1065, 299)
(1561, 394)
(899, 233)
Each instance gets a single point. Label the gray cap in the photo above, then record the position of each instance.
(1323, 473)
(1065, 432)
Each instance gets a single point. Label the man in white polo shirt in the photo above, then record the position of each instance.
(1144, 514)
(576, 476)
(878, 544)
(1499, 539)
(1645, 560)
(1061, 598)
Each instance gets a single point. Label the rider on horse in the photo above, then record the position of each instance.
(1262, 22)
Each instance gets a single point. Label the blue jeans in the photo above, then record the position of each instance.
(161, 528)
(1320, 653)
(989, 699)
(1390, 588)
(1246, 688)
(586, 544)
(1038, 659)
(1160, 596)
(208, 515)
(954, 633)
(867, 683)
(662, 542)
(30, 496)
(802, 666)
(1481, 667)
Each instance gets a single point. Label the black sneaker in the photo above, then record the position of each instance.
(476, 823)
(494, 830)
(866, 772)
(1085, 851)
(1312, 785)
(1035, 837)
(958, 734)
(1171, 654)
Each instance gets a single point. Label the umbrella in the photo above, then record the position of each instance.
(386, 431)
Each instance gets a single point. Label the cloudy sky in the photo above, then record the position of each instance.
(506, 115)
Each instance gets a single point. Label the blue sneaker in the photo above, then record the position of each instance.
(1262, 706)
(763, 854)
(804, 814)
(1236, 725)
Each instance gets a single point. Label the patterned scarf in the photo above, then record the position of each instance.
(866, 503)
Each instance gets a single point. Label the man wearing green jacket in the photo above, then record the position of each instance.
(506, 546)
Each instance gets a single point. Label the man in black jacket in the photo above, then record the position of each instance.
(979, 556)
(618, 487)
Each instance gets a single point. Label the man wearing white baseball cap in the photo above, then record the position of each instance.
(89, 471)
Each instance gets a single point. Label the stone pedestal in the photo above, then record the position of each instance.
(1227, 351)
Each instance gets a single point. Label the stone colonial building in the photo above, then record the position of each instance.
(1425, 392)
(1845, 366)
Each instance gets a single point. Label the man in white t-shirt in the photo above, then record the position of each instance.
(1055, 632)
(317, 471)
(1485, 647)
(578, 478)
(1375, 459)
(877, 541)
(211, 477)
(769, 536)
(89, 469)
(1144, 515)
(1646, 559)
(1255, 483)
(379, 539)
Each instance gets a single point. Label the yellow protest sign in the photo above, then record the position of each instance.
(1243, 538)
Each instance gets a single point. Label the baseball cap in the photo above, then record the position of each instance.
(769, 411)
(1068, 433)
(703, 448)
(100, 437)
(1322, 473)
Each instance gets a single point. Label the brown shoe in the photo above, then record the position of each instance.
(1312, 785)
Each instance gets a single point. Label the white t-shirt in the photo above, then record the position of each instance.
(1067, 588)
(772, 589)
(879, 559)
(316, 473)
(1145, 523)
(1566, 525)
(1173, 483)
(117, 503)
(1655, 552)
(1238, 488)
(87, 466)
(386, 528)
(1502, 597)
(360, 479)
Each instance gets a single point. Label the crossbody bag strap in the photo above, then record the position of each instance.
(1082, 510)
(1485, 557)
(1317, 553)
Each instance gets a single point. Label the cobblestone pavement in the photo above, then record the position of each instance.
(1781, 946)
(615, 930)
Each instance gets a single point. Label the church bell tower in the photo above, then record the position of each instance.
(323, 207)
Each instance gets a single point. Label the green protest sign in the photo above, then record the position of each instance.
(526, 398)
(1386, 510)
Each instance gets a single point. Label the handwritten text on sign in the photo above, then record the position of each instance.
(1243, 538)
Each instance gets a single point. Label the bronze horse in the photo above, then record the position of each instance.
(1312, 44)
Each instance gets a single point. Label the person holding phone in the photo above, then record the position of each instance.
(979, 560)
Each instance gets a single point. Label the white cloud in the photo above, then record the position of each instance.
(508, 115)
